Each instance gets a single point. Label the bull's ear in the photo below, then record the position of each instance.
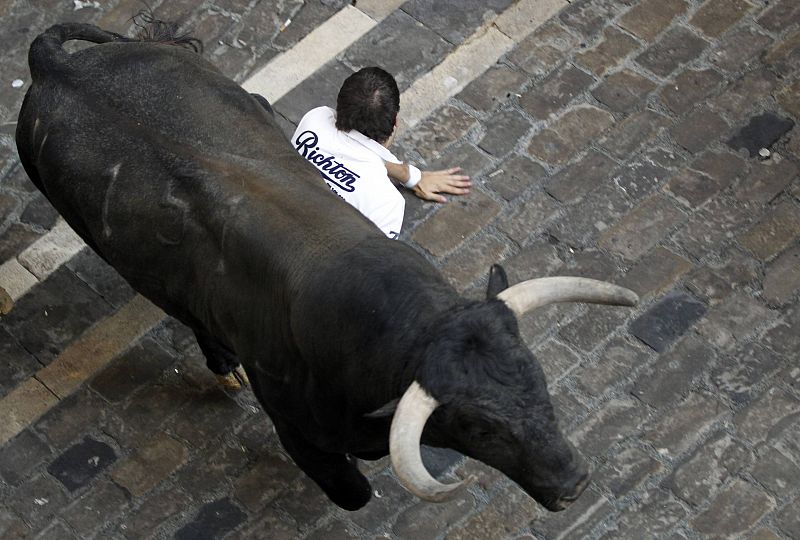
(386, 410)
(498, 281)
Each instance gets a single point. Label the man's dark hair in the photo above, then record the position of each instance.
(368, 102)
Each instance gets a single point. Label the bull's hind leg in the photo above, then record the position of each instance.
(336, 474)
(222, 361)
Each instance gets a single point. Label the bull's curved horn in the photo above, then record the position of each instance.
(414, 409)
(534, 293)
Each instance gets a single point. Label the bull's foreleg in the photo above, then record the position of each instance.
(221, 361)
(336, 474)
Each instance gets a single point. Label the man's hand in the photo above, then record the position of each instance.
(434, 183)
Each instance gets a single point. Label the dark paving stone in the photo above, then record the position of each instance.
(569, 133)
(678, 46)
(503, 131)
(514, 176)
(543, 50)
(307, 17)
(425, 520)
(454, 21)
(440, 460)
(689, 88)
(139, 364)
(738, 48)
(155, 511)
(318, 90)
(8, 204)
(555, 92)
(555, 359)
(619, 358)
(737, 376)
(493, 88)
(789, 518)
(615, 46)
(649, 18)
(589, 16)
(40, 213)
(15, 239)
(101, 277)
(635, 131)
(780, 16)
(761, 132)
(19, 456)
(585, 221)
(623, 91)
(717, 16)
(572, 183)
(776, 471)
(393, 498)
(626, 471)
(734, 511)
(401, 46)
(17, 364)
(594, 326)
(651, 517)
(54, 313)
(38, 500)
(77, 466)
(96, 508)
(535, 213)
(698, 130)
(667, 320)
(214, 520)
(580, 518)
(617, 420)
(437, 132)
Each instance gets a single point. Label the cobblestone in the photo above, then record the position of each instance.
(690, 87)
(789, 518)
(76, 467)
(623, 91)
(726, 517)
(610, 425)
(776, 471)
(619, 358)
(514, 176)
(649, 18)
(503, 131)
(680, 430)
(738, 48)
(636, 130)
(626, 471)
(555, 92)
(96, 508)
(572, 183)
(492, 88)
(738, 377)
(767, 415)
(615, 46)
(545, 48)
(699, 129)
(569, 133)
(783, 277)
(733, 321)
(717, 16)
(677, 47)
(650, 518)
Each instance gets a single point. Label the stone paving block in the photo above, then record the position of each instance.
(38, 500)
(774, 233)
(136, 366)
(627, 471)
(715, 17)
(635, 131)
(63, 423)
(13, 527)
(708, 469)
(711, 227)
(723, 167)
(503, 131)
(514, 176)
(766, 180)
(789, 518)
(614, 47)
(444, 127)
(780, 15)
(651, 517)
(783, 277)
(456, 221)
(473, 261)
(17, 363)
(642, 228)
(623, 91)
(465, 155)
(273, 474)
(158, 508)
(530, 217)
(535, 260)
(374, 516)
(776, 471)
(78, 466)
(509, 512)
(738, 48)
(591, 263)
(57, 531)
(784, 56)
(616, 421)
(701, 128)
(554, 92)
(739, 375)
(220, 465)
(305, 502)
(734, 321)
(402, 46)
(590, 329)
(573, 182)
(279, 525)
(616, 362)
(424, 520)
(150, 464)
(649, 18)
(589, 16)
(543, 50)
(21, 455)
(335, 530)
(677, 47)
(640, 177)
(583, 222)
(690, 87)
(96, 508)
(205, 417)
(767, 416)
(674, 373)
(569, 133)
(578, 520)
(734, 511)
(15, 239)
(316, 91)
(655, 272)
(556, 359)
(693, 189)
(101, 277)
(667, 320)
(498, 84)
(761, 131)
(567, 407)
(789, 97)
(214, 520)
(784, 337)
(8, 204)
(740, 96)
(455, 22)
(679, 430)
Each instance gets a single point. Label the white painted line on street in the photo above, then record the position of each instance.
(287, 70)
(44, 256)
(477, 54)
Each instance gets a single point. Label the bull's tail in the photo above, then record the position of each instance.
(47, 50)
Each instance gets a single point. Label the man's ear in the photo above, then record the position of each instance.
(498, 281)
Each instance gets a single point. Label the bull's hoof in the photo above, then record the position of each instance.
(6, 302)
(235, 380)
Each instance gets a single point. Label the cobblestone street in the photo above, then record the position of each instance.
(654, 144)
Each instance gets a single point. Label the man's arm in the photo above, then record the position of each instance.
(432, 183)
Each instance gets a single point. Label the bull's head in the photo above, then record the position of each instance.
(481, 391)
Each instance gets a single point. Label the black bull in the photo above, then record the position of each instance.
(184, 183)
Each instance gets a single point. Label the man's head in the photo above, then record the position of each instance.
(368, 102)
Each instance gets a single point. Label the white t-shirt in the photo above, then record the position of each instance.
(352, 166)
